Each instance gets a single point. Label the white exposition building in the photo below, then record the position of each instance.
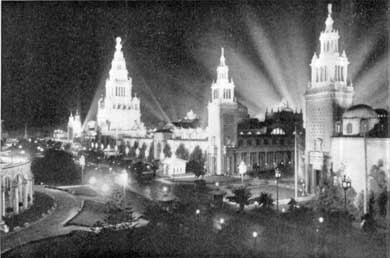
(118, 111)
(339, 136)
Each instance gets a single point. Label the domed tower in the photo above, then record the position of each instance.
(328, 94)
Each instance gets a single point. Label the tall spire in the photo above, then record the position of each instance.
(222, 59)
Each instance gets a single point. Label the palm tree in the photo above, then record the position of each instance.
(264, 200)
(241, 197)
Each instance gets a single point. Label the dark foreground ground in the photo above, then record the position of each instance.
(183, 234)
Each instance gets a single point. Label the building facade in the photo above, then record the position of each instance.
(357, 147)
(119, 111)
(264, 145)
(328, 95)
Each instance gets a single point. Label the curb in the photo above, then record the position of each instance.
(66, 222)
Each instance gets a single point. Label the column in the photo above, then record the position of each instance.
(25, 194)
(2, 204)
(16, 199)
(31, 182)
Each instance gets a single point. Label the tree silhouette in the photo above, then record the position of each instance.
(196, 163)
(182, 152)
(167, 151)
(241, 197)
(151, 153)
(264, 200)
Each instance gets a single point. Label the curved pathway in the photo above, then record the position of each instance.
(49, 226)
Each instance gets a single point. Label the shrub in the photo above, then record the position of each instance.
(56, 167)
(292, 204)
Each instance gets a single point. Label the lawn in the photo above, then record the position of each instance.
(91, 213)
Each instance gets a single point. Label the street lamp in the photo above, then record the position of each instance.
(165, 190)
(197, 213)
(242, 170)
(254, 234)
(346, 183)
(277, 176)
(221, 222)
(217, 184)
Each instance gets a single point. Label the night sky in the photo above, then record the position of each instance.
(56, 55)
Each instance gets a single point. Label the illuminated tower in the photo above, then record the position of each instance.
(328, 94)
(74, 126)
(222, 119)
(119, 111)
(77, 128)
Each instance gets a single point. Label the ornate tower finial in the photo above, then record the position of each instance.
(222, 60)
(329, 20)
(118, 46)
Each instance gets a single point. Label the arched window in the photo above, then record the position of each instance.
(349, 128)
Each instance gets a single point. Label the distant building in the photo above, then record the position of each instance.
(269, 143)
(74, 126)
(60, 135)
(186, 132)
(173, 166)
(119, 111)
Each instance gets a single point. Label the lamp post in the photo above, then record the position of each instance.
(295, 163)
(197, 213)
(242, 170)
(277, 176)
(254, 234)
(165, 190)
(82, 164)
(221, 222)
(365, 168)
(346, 184)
